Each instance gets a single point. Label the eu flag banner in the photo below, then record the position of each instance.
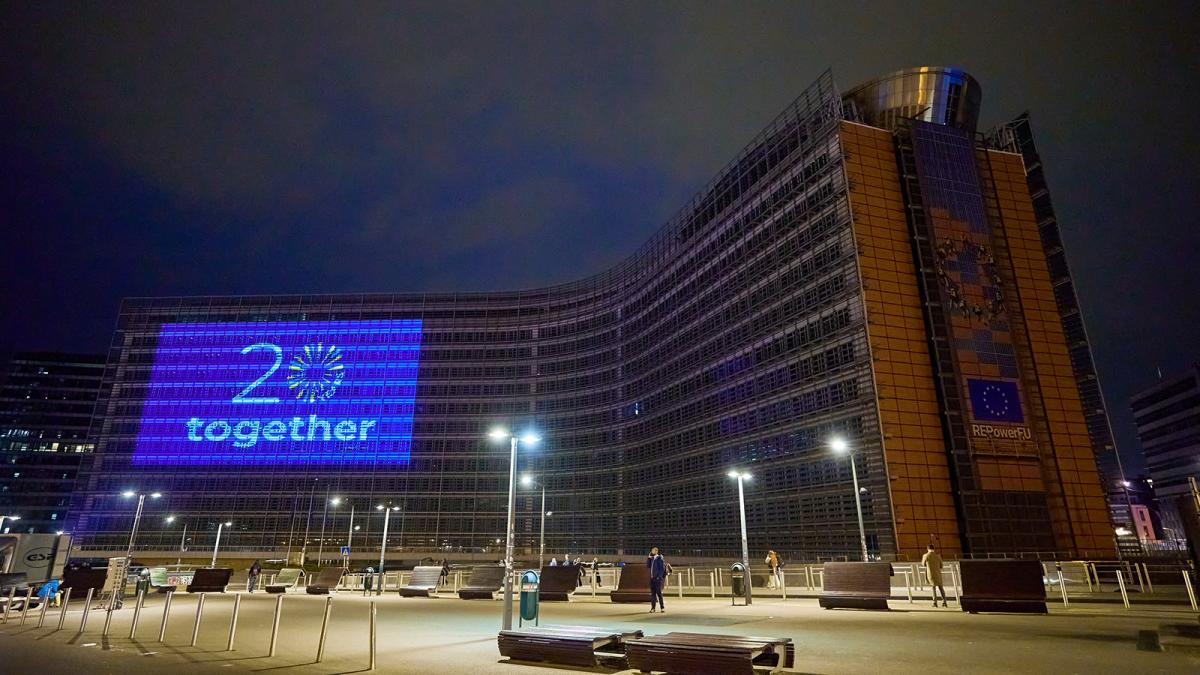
(995, 401)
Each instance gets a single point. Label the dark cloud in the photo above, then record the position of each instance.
(175, 148)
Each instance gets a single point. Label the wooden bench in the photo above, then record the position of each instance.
(557, 583)
(210, 580)
(856, 585)
(485, 582)
(79, 580)
(326, 580)
(634, 584)
(288, 579)
(11, 580)
(705, 654)
(423, 583)
(583, 646)
(1002, 586)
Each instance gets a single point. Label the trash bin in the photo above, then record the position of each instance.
(738, 578)
(143, 581)
(530, 581)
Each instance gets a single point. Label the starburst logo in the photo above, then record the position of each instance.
(316, 374)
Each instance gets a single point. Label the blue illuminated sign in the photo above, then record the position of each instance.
(281, 392)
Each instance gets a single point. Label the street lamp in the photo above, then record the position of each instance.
(528, 438)
(4, 518)
(217, 545)
(741, 477)
(336, 501)
(137, 518)
(387, 516)
(182, 539)
(840, 446)
(528, 481)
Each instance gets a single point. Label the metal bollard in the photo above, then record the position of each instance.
(42, 614)
(275, 625)
(324, 630)
(1141, 584)
(1087, 575)
(1062, 586)
(28, 601)
(137, 613)
(1187, 584)
(712, 585)
(908, 583)
(199, 615)
(87, 607)
(1149, 583)
(62, 615)
(783, 582)
(108, 611)
(1121, 583)
(372, 666)
(12, 593)
(162, 630)
(237, 604)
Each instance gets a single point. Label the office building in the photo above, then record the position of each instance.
(46, 403)
(868, 268)
(1168, 425)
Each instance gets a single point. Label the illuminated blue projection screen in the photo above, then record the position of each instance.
(281, 392)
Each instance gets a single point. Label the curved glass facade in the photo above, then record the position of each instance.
(735, 337)
(798, 297)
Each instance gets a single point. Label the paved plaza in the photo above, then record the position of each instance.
(447, 635)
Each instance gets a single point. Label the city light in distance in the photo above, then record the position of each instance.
(744, 475)
(839, 444)
(526, 480)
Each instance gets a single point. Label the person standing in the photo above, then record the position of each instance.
(252, 576)
(933, 570)
(658, 575)
(553, 562)
(774, 580)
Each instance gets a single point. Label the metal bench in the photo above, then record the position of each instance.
(288, 579)
(557, 583)
(634, 584)
(856, 585)
(705, 654)
(1002, 586)
(327, 579)
(583, 646)
(423, 582)
(210, 580)
(485, 582)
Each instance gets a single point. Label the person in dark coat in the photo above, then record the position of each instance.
(658, 576)
(252, 576)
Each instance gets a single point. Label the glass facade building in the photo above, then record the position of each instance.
(46, 404)
(793, 300)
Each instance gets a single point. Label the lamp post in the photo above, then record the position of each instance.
(336, 501)
(387, 516)
(840, 445)
(528, 438)
(528, 481)
(217, 545)
(741, 477)
(137, 517)
(324, 515)
(182, 539)
(4, 518)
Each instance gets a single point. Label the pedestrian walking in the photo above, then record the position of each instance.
(933, 570)
(553, 562)
(658, 576)
(596, 570)
(775, 579)
(252, 576)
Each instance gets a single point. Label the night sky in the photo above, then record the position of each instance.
(230, 148)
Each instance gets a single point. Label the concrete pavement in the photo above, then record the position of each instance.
(447, 635)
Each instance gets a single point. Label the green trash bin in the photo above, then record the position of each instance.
(530, 581)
